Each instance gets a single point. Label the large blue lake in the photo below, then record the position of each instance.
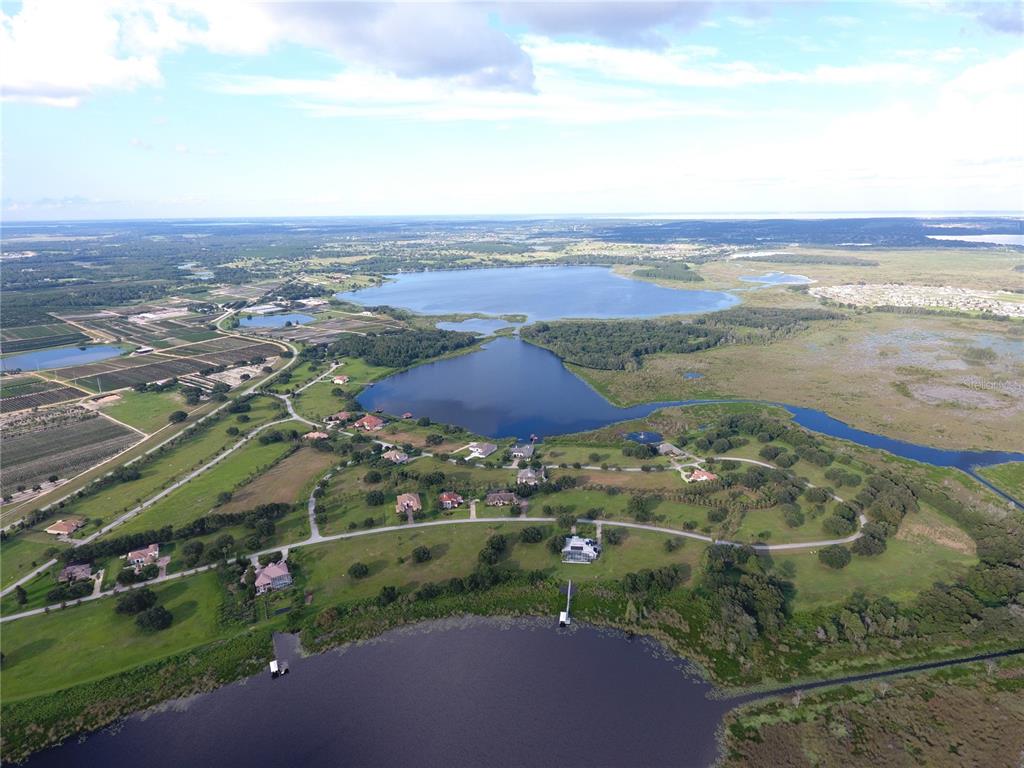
(510, 388)
(61, 357)
(461, 693)
(541, 293)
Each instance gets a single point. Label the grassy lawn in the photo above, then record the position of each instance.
(902, 571)
(454, 551)
(19, 552)
(87, 642)
(35, 592)
(198, 497)
(612, 455)
(1009, 477)
(147, 411)
(179, 460)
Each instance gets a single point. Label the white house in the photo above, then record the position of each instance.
(580, 550)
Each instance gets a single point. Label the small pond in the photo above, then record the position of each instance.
(648, 438)
(540, 293)
(275, 321)
(61, 357)
(777, 278)
(692, 375)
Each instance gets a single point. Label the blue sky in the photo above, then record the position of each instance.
(165, 109)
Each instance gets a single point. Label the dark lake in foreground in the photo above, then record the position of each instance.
(510, 388)
(541, 293)
(463, 693)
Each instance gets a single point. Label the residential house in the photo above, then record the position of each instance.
(408, 503)
(667, 449)
(481, 450)
(524, 451)
(700, 476)
(580, 550)
(316, 435)
(370, 423)
(395, 456)
(501, 499)
(66, 526)
(530, 476)
(140, 558)
(341, 379)
(340, 416)
(271, 577)
(78, 572)
(407, 415)
(450, 500)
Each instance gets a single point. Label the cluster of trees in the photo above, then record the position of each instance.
(399, 349)
(617, 345)
(494, 549)
(118, 545)
(196, 552)
(142, 604)
(71, 590)
(261, 519)
(672, 270)
(656, 581)
(638, 450)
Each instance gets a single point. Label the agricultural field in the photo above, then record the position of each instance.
(60, 442)
(147, 411)
(31, 337)
(334, 324)
(1009, 477)
(18, 393)
(174, 461)
(286, 482)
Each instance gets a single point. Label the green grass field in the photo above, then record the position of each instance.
(1009, 477)
(87, 642)
(19, 552)
(147, 411)
(179, 460)
(198, 497)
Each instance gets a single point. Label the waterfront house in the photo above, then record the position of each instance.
(66, 526)
(530, 476)
(407, 415)
(77, 572)
(501, 499)
(524, 451)
(370, 423)
(481, 450)
(395, 456)
(667, 449)
(580, 550)
(450, 500)
(271, 577)
(341, 379)
(340, 416)
(316, 435)
(408, 503)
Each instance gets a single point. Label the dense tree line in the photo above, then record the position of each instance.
(673, 270)
(622, 344)
(119, 545)
(399, 349)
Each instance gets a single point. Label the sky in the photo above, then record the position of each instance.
(227, 108)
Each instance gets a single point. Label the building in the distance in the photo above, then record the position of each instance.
(271, 577)
(524, 451)
(395, 456)
(66, 526)
(580, 550)
(530, 476)
(370, 423)
(450, 500)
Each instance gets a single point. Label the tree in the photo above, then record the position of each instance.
(421, 554)
(177, 417)
(423, 421)
(359, 570)
(136, 601)
(639, 508)
(223, 498)
(20, 595)
(375, 498)
(154, 619)
(371, 477)
(834, 556)
(387, 595)
(531, 534)
(192, 552)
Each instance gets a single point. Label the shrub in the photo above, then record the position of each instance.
(154, 619)
(177, 417)
(421, 554)
(371, 477)
(359, 570)
(531, 535)
(375, 498)
(835, 556)
(793, 516)
(136, 601)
